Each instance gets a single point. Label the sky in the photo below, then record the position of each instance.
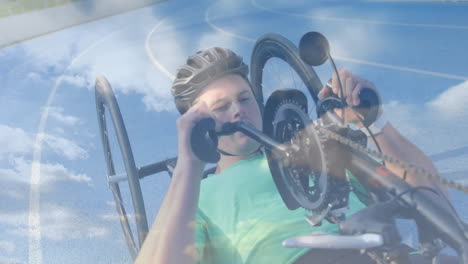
(414, 52)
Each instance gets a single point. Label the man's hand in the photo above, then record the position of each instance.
(352, 86)
(185, 125)
(391, 142)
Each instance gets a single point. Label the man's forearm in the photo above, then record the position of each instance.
(172, 236)
(392, 143)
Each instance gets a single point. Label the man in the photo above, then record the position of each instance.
(236, 215)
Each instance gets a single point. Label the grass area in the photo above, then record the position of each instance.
(16, 7)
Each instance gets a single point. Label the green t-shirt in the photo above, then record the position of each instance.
(242, 218)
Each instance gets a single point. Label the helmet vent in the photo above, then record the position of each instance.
(209, 57)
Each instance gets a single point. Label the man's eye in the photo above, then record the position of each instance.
(244, 99)
(220, 108)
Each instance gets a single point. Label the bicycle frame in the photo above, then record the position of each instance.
(377, 178)
(442, 221)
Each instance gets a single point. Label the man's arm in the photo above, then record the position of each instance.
(391, 142)
(172, 236)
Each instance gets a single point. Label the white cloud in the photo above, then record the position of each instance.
(129, 70)
(65, 147)
(452, 103)
(114, 216)
(17, 191)
(14, 141)
(59, 130)
(120, 57)
(7, 246)
(34, 76)
(77, 80)
(57, 223)
(40, 52)
(111, 214)
(349, 40)
(109, 49)
(5, 260)
(50, 174)
(427, 126)
(57, 113)
(420, 124)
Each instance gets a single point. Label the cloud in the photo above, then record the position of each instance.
(452, 102)
(127, 67)
(14, 141)
(130, 70)
(77, 80)
(57, 113)
(7, 246)
(34, 76)
(11, 189)
(4, 260)
(51, 173)
(111, 203)
(420, 124)
(58, 223)
(349, 40)
(111, 50)
(65, 147)
(111, 215)
(15, 172)
(432, 126)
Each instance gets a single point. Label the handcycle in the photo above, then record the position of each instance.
(306, 160)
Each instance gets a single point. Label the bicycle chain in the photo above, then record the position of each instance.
(386, 158)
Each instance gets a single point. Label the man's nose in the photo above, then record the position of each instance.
(236, 109)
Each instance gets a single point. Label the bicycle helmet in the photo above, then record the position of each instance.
(202, 68)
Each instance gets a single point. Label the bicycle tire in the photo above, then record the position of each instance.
(105, 99)
(276, 46)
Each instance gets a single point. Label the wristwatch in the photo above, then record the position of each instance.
(376, 127)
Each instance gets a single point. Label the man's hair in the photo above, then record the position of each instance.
(202, 68)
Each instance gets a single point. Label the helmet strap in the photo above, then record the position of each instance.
(230, 154)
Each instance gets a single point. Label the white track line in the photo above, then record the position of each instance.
(34, 226)
(375, 64)
(151, 56)
(406, 69)
(225, 32)
(363, 21)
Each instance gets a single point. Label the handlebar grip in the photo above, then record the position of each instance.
(368, 106)
(204, 140)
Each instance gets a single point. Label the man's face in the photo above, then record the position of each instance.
(230, 99)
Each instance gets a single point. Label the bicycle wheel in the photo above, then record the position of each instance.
(276, 46)
(310, 192)
(105, 98)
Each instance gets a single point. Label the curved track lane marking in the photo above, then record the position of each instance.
(363, 21)
(370, 63)
(225, 32)
(34, 223)
(151, 56)
(406, 69)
